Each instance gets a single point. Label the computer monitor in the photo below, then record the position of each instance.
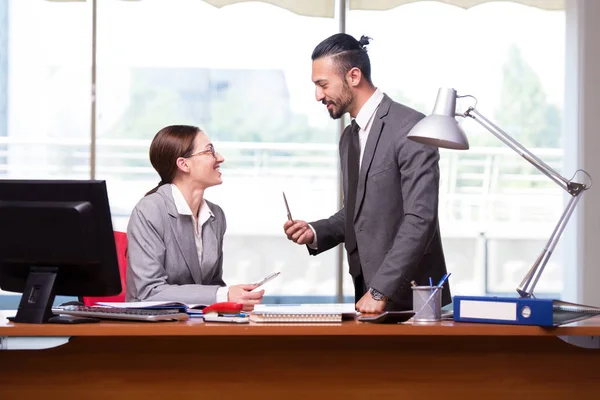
(56, 238)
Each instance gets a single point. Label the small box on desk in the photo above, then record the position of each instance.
(519, 311)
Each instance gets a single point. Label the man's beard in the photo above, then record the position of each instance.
(341, 104)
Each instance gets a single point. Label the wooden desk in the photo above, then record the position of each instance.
(351, 360)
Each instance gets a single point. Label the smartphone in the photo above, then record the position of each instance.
(388, 317)
(268, 278)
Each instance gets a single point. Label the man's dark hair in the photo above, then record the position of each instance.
(347, 53)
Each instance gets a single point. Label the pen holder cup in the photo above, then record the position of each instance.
(432, 312)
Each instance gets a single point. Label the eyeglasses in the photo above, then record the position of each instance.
(211, 151)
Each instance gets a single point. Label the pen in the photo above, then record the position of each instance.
(443, 280)
(268, 278)
(289, 214)
(439, 285)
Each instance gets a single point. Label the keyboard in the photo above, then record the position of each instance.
(130, 314)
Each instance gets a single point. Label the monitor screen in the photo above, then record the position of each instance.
(56, 238)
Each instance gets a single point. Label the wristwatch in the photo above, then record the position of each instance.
(377, 295)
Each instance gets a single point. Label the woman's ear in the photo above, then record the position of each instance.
(182, 164)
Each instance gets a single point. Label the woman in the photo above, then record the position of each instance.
(175, 236)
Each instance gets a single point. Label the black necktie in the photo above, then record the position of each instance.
(353, 170)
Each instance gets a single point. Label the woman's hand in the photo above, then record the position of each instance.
(243, 294)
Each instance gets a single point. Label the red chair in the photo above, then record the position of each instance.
(121, 244)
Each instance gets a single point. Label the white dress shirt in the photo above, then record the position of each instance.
(364, 120)
(204, 214)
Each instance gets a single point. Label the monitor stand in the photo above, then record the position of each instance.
(36, 303)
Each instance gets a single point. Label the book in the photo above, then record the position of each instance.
(519, 311)
(334, 312)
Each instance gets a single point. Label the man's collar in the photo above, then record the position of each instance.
(368, 109)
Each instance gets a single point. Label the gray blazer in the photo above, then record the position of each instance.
(162, 262)
(396, 212)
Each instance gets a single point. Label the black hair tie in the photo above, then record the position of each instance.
(364, 40)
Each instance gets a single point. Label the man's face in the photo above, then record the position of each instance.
(331, 89)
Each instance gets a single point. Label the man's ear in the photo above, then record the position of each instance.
(354, 77)
(182, 164)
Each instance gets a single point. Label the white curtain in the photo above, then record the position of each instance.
(325, 8)
(309, 8)
(388, 4)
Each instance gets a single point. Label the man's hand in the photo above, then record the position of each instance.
(243, 294)
(298, 231)
(368, 305)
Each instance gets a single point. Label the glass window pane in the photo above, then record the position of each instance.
(45, 75)
(496, 210)
(243, 74)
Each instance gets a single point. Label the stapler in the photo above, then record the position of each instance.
(226, 307)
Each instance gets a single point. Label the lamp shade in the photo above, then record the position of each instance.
(440, 129)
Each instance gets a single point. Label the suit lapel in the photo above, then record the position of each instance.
(370, 147)
(184, 236)
(183, 230)
(209, 246)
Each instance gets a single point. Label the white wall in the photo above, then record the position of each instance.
(582, 140)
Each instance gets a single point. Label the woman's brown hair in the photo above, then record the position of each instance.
(168, 145)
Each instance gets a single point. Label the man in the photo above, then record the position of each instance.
(389, 222)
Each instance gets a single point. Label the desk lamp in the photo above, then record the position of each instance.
(441, 129)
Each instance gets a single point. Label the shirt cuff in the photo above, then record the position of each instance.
(313, 245)
(222, 293)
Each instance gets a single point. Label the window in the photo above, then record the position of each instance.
(242, 73)
(496, 210)
(226, 71)
(45, 52)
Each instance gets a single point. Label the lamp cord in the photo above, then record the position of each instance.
(473, 106)
(587, 174)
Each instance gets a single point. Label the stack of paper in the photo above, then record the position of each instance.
(193, 310)
(188, 308)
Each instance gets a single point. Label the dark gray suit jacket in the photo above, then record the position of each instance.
(162, 261)
(396, 212)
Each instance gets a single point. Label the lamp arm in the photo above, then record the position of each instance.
(527, 285)
(575, 189)
(523, 152)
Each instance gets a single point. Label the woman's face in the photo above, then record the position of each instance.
(204, 162)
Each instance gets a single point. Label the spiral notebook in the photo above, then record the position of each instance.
(302, 312)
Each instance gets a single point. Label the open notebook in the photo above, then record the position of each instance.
(332, 312)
